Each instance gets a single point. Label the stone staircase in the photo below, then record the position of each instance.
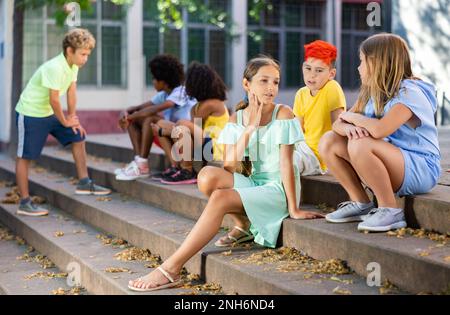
(156, 217)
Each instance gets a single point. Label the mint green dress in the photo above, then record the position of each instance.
(262, 194)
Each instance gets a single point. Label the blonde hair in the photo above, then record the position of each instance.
(388, 64)
(78, 38)
(251, 70)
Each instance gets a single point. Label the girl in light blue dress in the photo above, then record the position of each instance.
(265, 133)
(388, 140)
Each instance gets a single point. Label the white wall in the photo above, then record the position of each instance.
(6, 22)
(426, 27)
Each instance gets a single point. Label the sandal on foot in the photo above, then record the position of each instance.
(229, 240)
(172, 283)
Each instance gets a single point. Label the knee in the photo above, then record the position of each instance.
(327, 143)
(359, 147)
(207, 180)
(219, 198)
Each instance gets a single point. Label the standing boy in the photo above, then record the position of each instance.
(39, 113)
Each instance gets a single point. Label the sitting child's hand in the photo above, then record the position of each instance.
(255, 107)
(124, 123)
(355, 133)
(305, 215)
(123, 114)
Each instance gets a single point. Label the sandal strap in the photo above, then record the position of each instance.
(242, 230)
(166, 274)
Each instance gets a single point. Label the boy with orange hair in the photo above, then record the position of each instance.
(317, 105)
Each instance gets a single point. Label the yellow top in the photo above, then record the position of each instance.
(316, 112)
(212, 128)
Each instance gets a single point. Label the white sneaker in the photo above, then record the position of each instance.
(118, 171)
(383, 220)
(134, 172)
(349, 211)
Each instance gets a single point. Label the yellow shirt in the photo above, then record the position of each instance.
(316, 112)
(55, 74)
(212, 127)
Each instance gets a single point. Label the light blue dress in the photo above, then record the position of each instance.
(262, 194)
(420, 146)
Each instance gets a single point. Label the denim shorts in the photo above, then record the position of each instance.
(422, 173)
(33, 133)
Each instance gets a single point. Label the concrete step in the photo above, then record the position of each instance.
(429, 211)
(78, 246)
(235, 269)
(21, 274)
(308, 236)
(183, 200)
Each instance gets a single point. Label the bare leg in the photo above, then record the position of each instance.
(196, 133)
(22, 167)
(380, 165)
(134, 131)
(187, 164)
(166, 140)
(147, 135)
(222, 201)
(333, 149)
(212, 178)
(79, 156)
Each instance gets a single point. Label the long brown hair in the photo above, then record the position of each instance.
(252, 68)
(388, 63)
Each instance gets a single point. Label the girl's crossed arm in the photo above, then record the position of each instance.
(387, 125)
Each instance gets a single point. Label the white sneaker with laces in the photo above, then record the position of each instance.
(349, 211)
(383, 220)
(134, 172)
(118, 171)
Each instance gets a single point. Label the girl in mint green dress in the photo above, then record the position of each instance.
(266, 133)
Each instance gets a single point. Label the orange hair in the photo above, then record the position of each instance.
(321, 50)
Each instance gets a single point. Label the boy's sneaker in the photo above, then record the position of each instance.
(91, 189)
(182, 177)
(383, 220)
(349, 211)
(118, 171)
(169, 172)
(32, 210)
(133, 172)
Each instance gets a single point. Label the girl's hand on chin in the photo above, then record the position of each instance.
(255, 107)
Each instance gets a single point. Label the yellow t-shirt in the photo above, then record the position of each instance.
(213, 126)
(55, 74)
(316, 112)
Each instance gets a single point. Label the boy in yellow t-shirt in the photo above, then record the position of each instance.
(317, 105)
